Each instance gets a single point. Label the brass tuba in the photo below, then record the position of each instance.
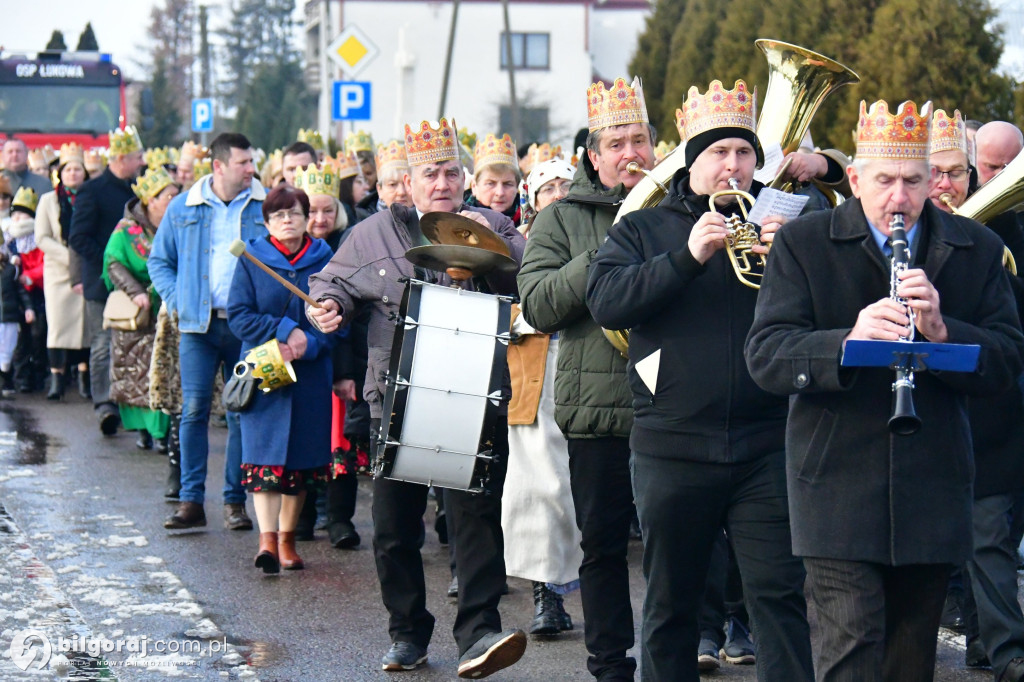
(799, 80)
(1004, 191)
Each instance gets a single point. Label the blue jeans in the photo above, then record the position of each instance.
(199, 355)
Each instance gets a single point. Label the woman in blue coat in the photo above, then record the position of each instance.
(286, 439)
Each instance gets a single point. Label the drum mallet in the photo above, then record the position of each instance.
(237, 250)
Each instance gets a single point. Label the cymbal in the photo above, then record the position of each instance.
(442, 227)
(440, 257)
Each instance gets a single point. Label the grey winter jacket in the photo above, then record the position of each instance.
(592, 397)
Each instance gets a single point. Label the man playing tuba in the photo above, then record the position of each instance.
(707, 443)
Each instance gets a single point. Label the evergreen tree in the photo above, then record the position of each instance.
(274, 105)
(259, 32)
(652, 54)
(170, 35)
(87, 41)
(167, 111)
(57, 42)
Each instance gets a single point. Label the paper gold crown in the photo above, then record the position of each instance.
(201, 167)
(662, 150)
(541, 153)
(312, 138)
(902, 136)
(431, 145)
(495, 151)
(72, 151)
(151, 183)
(272, 167)
(36, 159)
(190, 151)
(622, 104)
(466, 138)
(160, 156)
(313, 180)
(948, 133)
(391, 154)
(125, 141)
(359, 142)
(344, 165)
(716, 108)
(25, 197)
(95, 161)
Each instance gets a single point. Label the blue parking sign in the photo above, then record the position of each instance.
(351, 101)
(202, 115)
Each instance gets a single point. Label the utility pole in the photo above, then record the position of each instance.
(324, 108)
(517, 132)
(204, 57)
(448, 59)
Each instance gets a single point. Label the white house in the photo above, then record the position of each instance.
(558, 47)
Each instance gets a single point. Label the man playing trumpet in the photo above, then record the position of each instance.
(878, 518)
(707, 443)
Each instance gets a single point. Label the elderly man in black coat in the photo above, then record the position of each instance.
(98, 208)
(881, 518)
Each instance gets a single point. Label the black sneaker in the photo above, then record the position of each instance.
(707, 655)
(403, 656)
(109, 421)
(975, 656)
(739, 648)
(492, 653)
(952, 612)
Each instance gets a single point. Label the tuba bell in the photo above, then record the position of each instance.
(799, 80)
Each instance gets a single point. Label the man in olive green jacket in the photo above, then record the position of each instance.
(593, 404)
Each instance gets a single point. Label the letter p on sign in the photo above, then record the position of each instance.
(351, 101)
(202, 115)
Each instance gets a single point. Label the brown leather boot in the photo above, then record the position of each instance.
(266, 558)
(290, 561)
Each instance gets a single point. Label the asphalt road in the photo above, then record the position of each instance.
(85, 560)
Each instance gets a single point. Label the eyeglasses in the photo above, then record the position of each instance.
(284, 215)
(954, 175)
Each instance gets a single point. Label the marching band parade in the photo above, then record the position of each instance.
(812, 411)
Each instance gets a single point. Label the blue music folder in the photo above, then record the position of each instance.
(947, 357)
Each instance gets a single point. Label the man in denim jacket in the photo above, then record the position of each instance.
(191, 267)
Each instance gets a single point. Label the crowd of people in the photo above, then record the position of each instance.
(728, 432)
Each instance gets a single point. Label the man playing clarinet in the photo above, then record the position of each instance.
(880, 518)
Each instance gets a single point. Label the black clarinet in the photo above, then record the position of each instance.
(904, 420)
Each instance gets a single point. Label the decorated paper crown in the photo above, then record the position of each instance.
(36, 159)
(95, 161)
(662, 150)
(190, 151)
(948, 133)
(201, 167)
(312, 138)
(431, 145)
(125, 141)
(313, 180)
(902, 136)
(72, 151)
(160, 156)
(344, 165)
(26, 198)
(495, 151)
(620, 105)
(49, 153)
(272, 168)
(541, 153)
(266, 363)
(466, 138)
(359, 142)
(391, 154)
(149, 185)
(716, 108)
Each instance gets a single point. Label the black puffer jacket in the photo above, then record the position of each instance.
(705, 406)
(14, 300)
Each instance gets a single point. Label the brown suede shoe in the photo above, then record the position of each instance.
(187, 515)
(290, 561)
(267, 556)
(235, 517)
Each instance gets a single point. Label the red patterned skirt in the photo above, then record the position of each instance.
(259, 478)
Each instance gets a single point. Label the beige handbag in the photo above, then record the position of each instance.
(122, 313)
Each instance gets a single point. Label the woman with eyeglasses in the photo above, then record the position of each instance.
(286, 438)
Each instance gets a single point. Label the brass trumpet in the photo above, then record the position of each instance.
(743, 237)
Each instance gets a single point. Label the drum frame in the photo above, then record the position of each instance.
(397, 381)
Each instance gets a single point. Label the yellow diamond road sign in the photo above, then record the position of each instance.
(352, 50)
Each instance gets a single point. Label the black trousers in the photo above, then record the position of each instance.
(683, 506)
(723, 593)
(993, 578)
(877, 622)
(398, 535)
(603, 497)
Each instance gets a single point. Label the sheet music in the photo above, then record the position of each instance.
(772, 160)
(771, 202)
